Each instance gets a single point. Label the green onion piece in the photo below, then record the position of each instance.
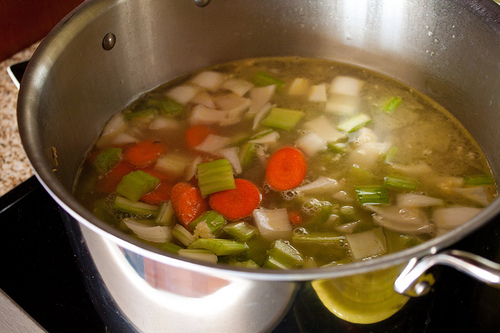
(355, 123)
(215, 176)
(283, 256)
(247, 264)
(214, 221)
(263, 79)
(247, 154)
(221, 247)
(372, 195)
(170, 247)
(134, 207)
(166, 214)
(242, 231)
(182, 235)
(129, 115)
(319, 238)
(199, 254)
(400, 183)
(392, 104)
(107, 159)
(390, 153)
(170, 108)
(135, 184)
(283, 118)
(479, 180)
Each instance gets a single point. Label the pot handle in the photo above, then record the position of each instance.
(411, 283)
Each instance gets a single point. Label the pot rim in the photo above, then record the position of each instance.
(37, 70)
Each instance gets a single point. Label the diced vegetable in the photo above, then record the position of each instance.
(145, 153)
(196, 134)
(392, 104)
(231, 154)
(263, 112)
(247, 264)
(286, 169)
(170, 108)
(242, 231)
(299, 86)
(263, 79)
(187, 202)
(145, 114)
(342, 105)
(107, 159)
(182, 235)
(200, 114)
(238, 86)
(212, 219)
(319, 238)
(215, 176)
(345, 85)
(283, 256)
(221, 247)
(320, 185)
(171, 247)
(479, 180)
(236, 203)
(400, 183)
(135, 184)
(318, 93)
(417, 200)
(151, 233)
(183, 94)
(213, 143)
(247, 154)
(136, 208)
(403, 220)
(273, 136)
(320, 210)
(311, 143)
(367, 154)
(114, 125)
(355, 123)
(367, 244)
(159, 194)
(260, 96)
(173, 164)
(272, 223)
(210, 80)
(204, 98)
(372, 195)
(324, 128)
(166, 214)
(283, 118)
(199, 254)
(476, 194)
(452, 217)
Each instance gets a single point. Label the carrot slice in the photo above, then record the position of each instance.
(236, 203)
(295, 217)
(110, 181)
(286, 169)
(144, 153)
(187, 202)
(196, 134)
(160, 194)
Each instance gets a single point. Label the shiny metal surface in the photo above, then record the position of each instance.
(73, 86)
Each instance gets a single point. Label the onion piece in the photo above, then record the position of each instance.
(260, 115)
(367, 154)
(346, 85)
(209, 79)
(323, 127)
(183, 94)
(115, 124)
(299, 86)
(203, 115)
(342, 104)
(311, 143)
(151, 233)
(190, 171)
(320, 185)
(238, 86)
(269, 138)
(231, 154)
(317, 93)
(413, 170)
(205, 99)
(367, 244)
(452, 217)
(234, 105)
(273, 223)
(173, 163)
(123, 139)
(403, 220)
(417, 200)
(259, 97)
(213, 143)
(165, 123)
(476, 194)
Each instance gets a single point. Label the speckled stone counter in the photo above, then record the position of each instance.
(14, 165)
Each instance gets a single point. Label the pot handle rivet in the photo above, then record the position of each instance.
(109, 41)
(201, 3)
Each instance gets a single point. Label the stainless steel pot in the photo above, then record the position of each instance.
(107, 52)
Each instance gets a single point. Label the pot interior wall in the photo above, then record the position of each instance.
(74, 85)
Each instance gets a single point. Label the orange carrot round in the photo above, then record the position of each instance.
(196, 134)
(144, 153)
(286, 169)
(160, 194)
(236, 203)
(187, 202)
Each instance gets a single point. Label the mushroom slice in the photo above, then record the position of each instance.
(403, 220)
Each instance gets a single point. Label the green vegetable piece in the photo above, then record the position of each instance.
(372, 195)
(170, 108)
(131, 115)
(390, 153)
(214, 221)
(400, 183)
(392, 104)
(247, 264)
(170, 247)
(242, 231)
(348, 213)
(361, 176)
(215, 176)
(283, 118)
(263, 79)
(479, 180)
(247, 154)
(283, 256)
(322, 238)
(322, 210)
(166, 214)
(261, 134)
(182, 235)
(107, 159)
(221, 247)
(355, 123)
(134, 207)
(135, 184)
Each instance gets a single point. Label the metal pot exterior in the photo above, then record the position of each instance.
(107, 52)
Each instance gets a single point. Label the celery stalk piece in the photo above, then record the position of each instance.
(215, 176)
(355, 123)
(134, 207)
(140, 114)
(135, 184)
(213, 220)
(107, 159)
(400, 183)
(321, 210)
(284, 256)
(170, 247)
(479, 180)
(241, 231)
(199, 254)
(182, 235)
(221, 247)
(392, 104)
(372, 195)
(170, 108)
(247, 264)
(319, 238)
(247, 154)
(283, 118)
(262, 79)
(390, 153)
(166, 214)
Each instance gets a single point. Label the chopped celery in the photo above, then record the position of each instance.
(338, 147)
(261, 134)
(283, 118)
(213, 220)
(479, 180)
(170, 247)
(247, 264)
(321, 210)
(166, 214)
(401, 183)
(135, 184)
(199, 254)
(361, 176)
(355, 123)
(319, 238)
(284, 256)
(182, 235)
(169, 107)
(262, 79)
(348, 213)
(221, 247)
(372, 195)
(247, 154)
(392, 104)
(240, 230)
(390, 153)
(104, 211)
(129, 115)
(215, 176)
(134, 207)
(107, 159)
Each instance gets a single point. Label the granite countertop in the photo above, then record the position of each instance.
(14, 165)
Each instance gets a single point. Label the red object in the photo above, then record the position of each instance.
(110, 181)
(160, 194)
(196, 134)
(286, 169)
(236, 203)
(295, 217)
(144, 153)
(187, 202)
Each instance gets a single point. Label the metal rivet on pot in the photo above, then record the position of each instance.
(422, 288)
(109, 41)
(201, 3)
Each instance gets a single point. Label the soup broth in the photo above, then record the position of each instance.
(284, 163)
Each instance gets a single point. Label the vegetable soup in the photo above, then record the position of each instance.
(284, 163)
